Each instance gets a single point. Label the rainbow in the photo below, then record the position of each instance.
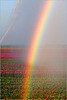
(38, 33)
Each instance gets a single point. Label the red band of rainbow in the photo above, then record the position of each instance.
(38, 33)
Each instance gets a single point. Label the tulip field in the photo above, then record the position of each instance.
(45, 86)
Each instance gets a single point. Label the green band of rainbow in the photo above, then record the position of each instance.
(38, 33)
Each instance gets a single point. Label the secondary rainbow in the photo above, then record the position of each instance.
(38, 33)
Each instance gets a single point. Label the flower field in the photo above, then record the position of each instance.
(43, 86)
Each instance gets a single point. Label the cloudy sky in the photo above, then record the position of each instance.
(20, 19)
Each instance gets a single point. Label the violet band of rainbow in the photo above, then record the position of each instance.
(38, 33)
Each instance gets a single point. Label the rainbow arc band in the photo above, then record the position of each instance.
(38, 33)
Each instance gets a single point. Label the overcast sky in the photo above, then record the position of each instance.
(26, 14)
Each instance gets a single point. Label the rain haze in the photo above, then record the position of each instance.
(26, 13)
(33, 49)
